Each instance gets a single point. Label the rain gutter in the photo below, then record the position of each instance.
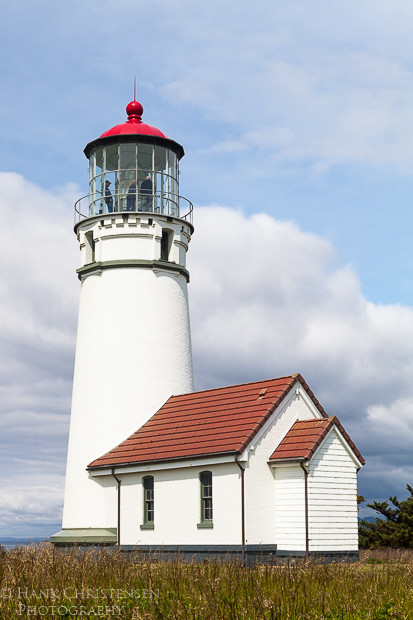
(307, 539)
(242, 510)
(119, 482)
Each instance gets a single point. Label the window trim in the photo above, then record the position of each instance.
(166, 244)
(205, 523)
(90, 248)
(148, 524)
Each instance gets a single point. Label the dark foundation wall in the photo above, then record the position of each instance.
(254, 554)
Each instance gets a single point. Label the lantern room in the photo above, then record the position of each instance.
(133, 167)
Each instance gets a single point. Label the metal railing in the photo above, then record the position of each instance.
(173, 205)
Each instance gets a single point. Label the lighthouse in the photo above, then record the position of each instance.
(133, 348)
(249, 471)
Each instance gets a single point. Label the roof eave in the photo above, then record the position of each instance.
(134, 137)
(287, 459)
(93, 468)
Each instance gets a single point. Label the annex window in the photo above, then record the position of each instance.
(205, 479)
(148, 503)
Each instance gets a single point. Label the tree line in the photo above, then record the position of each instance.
(392, 528)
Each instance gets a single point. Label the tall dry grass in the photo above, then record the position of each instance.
(41, 581)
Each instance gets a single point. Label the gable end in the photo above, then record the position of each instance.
(306, 436)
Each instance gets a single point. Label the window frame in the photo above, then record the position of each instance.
(206, 500)
(148, 503)
(166, 244)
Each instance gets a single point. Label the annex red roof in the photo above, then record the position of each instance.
(304, 437)
(134, 124)
(218, 421)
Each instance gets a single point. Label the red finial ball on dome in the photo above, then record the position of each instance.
(134, 111)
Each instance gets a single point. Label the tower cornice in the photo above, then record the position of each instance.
(156, 265)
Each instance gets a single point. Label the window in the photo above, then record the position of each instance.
(205, 479)
(148, 503)
(90, 248)
(166, 242)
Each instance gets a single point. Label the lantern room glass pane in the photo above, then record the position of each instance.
(160, 159)
(126, 189)
(96, 167)
(160, 192)
(92, 162)
(92, 184)
(173, 197)
(99, 160)
(128, 164)
(112, 157)
(110, 180)
(172, 165)
(128, 157)
(145, 160)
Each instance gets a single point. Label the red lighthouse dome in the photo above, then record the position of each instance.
(133, 130)
(134, 124)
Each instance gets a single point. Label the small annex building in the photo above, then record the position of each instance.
(257, 470)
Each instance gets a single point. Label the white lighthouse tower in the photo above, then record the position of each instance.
(133, 346)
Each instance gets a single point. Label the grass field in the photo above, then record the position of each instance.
(40, 581)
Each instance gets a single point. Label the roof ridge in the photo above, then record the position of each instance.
(235, 385)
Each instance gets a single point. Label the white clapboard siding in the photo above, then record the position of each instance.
(332, 500)
(289, 513)
(332, 497)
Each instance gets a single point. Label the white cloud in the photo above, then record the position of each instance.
(38, 313)
(30, 507)
(39, 258)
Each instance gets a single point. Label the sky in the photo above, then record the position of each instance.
(297, 124)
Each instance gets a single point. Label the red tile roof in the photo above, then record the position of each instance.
(218, 421)
(304, 437)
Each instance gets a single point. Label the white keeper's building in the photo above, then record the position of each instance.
(257, 470)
